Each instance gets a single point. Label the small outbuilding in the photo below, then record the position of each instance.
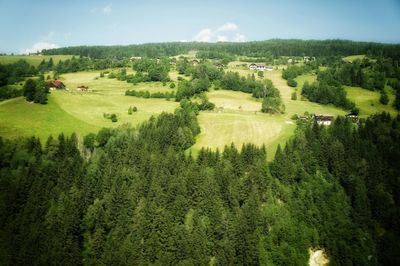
(55, 85)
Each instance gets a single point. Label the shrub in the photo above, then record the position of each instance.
(294, 96)
(384, 99)
(172, 85)
(292, 83)
(113, 118)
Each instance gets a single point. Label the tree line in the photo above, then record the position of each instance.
(268, 48)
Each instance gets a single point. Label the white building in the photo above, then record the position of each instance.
(260, 67)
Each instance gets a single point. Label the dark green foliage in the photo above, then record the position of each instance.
(187, 89)
(9, 91)
(292, 83)
(326, 92)
(29, 89)
(13, 73)
(291, 72)
(36, 90)
(89, 141)
(272, 105)
(147, 94)
(113, 118)
(396, 103)
(384, 98)
(205, 104)
(274, 48)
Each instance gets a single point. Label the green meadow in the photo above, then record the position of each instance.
(236, 119)
(32, 59)
(368, 101)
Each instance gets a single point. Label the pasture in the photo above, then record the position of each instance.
(82, 112)
(21, 118)
(236, 119)
(368, 101)
(32, 59)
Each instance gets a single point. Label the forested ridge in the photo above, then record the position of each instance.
(133, 196)
(273, 47)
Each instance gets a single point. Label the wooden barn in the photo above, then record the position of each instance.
(55, 85)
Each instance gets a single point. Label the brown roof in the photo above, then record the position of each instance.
(55, 84)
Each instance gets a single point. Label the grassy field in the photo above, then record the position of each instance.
(240, 120)
(81, 112)
(32, 59)
(236, 119)
(368, 101)
(352, 58)
(20, 118)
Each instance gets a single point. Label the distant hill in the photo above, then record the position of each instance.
(273, 47)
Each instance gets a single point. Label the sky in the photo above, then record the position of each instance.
(29, 26)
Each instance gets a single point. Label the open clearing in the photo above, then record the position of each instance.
(81, 112)
(32, 59)
(240, 121)
(352, 58)
(368, 101)
(236, 119)
(20, 118)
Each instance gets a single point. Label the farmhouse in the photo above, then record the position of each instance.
(323, 119)
(55, 85)
(260, 67)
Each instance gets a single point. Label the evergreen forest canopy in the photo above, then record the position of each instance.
(274, 48)
(132, 196)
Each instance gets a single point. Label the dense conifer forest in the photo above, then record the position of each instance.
(274, 47)
(133, 196)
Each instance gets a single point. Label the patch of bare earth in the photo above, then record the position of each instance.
(318, 257)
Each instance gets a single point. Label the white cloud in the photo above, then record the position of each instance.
(229, 30)
(39, 46)
(107, 9)
(222, 38)
(228, 27)
(204, 35)
(239, 38)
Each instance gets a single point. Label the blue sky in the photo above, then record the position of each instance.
(31, 25)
